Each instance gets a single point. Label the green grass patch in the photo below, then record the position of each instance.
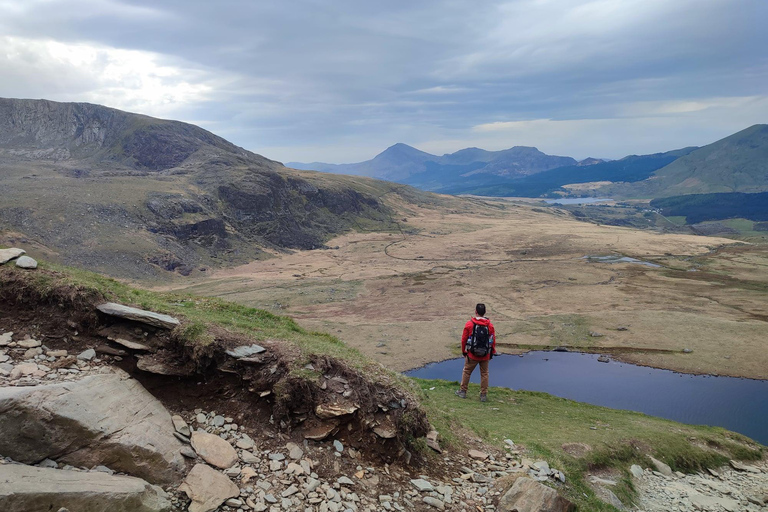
(544, 423)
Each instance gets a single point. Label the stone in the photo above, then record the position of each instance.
(213, 449)
(6, 338)
(343, 480)
(249, 458)
(207, 488)
(56, 353)
(26, 262)
(130, 344)
(422, 485)
(477, 454)
(21, 370)
(152, 365)
(661, 467)
(188, 452)
(218, 421)
(320, 431)
(603, 359)
(526, 495)
(294, 451)
(290, 491)
(327, 411)
(28, 488)
(245, 351)
(29, 343)
(87, 355)
(338, 446)
(385, 432)
(247, 474)
(180, 425)
(7, 255)
(100, 419)
(739, 466)
(245, 444)
(138, 315)
(636, 471)
(434, 502)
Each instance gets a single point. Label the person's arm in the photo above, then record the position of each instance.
(464, 338)
(493, 344)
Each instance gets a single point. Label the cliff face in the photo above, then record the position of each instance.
(136, 196)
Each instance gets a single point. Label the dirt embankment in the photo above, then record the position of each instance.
(317, 397)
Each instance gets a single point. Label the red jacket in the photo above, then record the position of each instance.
(468, 328)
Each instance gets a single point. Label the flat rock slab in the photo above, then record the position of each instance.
(527, 495)
(661, 467)
(245, 351)
(138, 315)
(214, 450)
(7, 255)
(26, 262)
(98, 420)
(327, 411)
(33, 489)
(130, 344)
(207, 488)
(477, 454)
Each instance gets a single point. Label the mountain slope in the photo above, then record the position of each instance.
(405, 164)
(138, 196)
(737, 163)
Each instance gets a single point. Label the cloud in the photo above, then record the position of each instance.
(341, 80)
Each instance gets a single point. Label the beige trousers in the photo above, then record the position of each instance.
(469, 367)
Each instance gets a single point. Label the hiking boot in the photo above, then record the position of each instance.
(461, 394)
(483, 397)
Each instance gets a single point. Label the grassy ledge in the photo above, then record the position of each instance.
(545, 425)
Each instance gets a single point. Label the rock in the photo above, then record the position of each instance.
(20, 370)
(207, 488)
(603, 359)
(245, 444)
(636, 471)
(247, 474)
(320, 431)
(596, 334)
(294, 451)
(26, 262)
(290, 491)
(343, 480)
(218, 421)
(338, 446)
(234, 503)
(180, 425)
(434, 502)
(385, 432)
(29, 343)
(7, 255)
(422, 485)
(327, 411)
(100, 419)
(188, 452)
(477, 454)
(687, 351)
(527, 495)
(56, 353)
(138, 315)
(245, 351)
(743, 467)
(5, 338)
(249, 458)
(661, 467)
(87, 355)
(130, 344)
(214, 450)
(27, 488)
(151, 364)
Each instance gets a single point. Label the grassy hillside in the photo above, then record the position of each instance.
(703, 207)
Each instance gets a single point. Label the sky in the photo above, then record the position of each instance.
(339, 81)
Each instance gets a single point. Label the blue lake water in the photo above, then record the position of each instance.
(737, 404)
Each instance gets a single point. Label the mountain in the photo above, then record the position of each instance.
(139, 196)
(737, 163)
(561, 180)
(408, 165)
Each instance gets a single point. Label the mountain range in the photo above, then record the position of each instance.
(405, 164)
(137, 196)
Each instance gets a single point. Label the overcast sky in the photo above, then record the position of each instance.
(339, 81)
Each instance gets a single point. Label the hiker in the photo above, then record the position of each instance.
(478, 346)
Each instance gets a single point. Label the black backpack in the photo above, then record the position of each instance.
(479, 343)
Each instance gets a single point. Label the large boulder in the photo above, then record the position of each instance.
(214, 450)
(100, 420)
(7, 255)
(32, 489)
(527, 495)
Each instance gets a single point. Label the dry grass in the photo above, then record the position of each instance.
(402, 299)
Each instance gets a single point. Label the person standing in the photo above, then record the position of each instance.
(478, 346)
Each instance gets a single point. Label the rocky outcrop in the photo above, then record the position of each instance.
(31, 489)
(99, 420)
(527, 495)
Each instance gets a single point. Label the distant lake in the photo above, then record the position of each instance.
(737, 404)
(578, 200)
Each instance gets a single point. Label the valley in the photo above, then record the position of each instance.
(401, 298)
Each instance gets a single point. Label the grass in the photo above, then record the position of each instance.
(543, 423)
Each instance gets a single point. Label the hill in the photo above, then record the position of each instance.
(704, 207)
(555, 181)
(139, 197)
(737, 163)
(408, 165)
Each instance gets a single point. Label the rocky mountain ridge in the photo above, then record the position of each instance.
(140, 197)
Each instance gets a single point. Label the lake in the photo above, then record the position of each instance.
(737, 404)
(578, 200)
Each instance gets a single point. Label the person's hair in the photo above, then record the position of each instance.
(480, 309)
